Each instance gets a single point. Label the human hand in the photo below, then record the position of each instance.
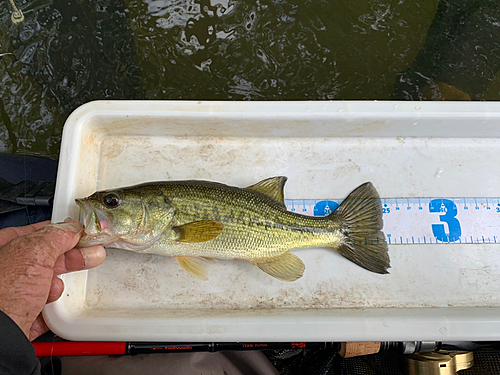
(30, 259)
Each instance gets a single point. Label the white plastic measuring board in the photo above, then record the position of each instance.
(443, 150)
(425, 220)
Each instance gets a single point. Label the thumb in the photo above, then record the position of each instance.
(52, 240)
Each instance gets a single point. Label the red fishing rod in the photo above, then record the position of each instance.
(89, 348)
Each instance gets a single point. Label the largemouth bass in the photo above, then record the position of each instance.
(195, 221)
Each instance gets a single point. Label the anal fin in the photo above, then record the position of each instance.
(195, 266)
(286, 267)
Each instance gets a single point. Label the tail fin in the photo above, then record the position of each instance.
(360, 220)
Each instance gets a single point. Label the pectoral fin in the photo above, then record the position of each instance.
(198, 231)
(196, 266)
(272, 187)
(286, 267)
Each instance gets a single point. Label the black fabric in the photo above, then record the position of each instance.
(329, 362)
(26, 216)
(9, 192)
(17, 168)
(22, 179)
(25, 202)
(304, 362)
(17, 355)
(486, 362)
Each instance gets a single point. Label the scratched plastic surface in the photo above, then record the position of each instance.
(433, 292)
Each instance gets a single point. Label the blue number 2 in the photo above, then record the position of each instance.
(324, 208)
(448, 211)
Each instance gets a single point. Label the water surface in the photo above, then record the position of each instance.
(67, 53)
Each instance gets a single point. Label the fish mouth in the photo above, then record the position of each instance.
(91, 218)
(83, 215)
(95, 224)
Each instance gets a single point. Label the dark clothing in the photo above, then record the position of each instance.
(17, 355)
(26, 189)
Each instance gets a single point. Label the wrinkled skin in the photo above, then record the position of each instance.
(31, 257)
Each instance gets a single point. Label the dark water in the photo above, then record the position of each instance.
(66, 53)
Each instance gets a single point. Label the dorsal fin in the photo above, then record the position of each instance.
(271, 187)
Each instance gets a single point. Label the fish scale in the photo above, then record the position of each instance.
(249, 224)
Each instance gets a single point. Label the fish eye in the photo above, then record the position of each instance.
(112, 200)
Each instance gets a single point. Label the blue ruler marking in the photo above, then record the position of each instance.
(425, 220)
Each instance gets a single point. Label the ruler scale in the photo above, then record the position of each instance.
(425, 220)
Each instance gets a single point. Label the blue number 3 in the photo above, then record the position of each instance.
(448, 211)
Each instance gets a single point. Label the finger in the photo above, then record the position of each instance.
(55, 239)
(78, 259)
(56, 289)
(38, 328)
(93, 255)
(8, 234)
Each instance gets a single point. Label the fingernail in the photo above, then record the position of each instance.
(93, 256)
(69, 220)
